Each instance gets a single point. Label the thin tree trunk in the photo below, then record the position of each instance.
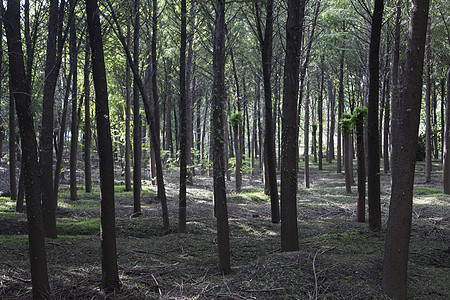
(110, 275)
(74, 124)
(446, 144)
(183, 124)
(12, 145)
(387, 113)
(320, 111)
(405, 127)
(428, 165)
(361, 209)
(306, 133)
(21, 87)
(340, 111)
(128, 118)
(137, 127)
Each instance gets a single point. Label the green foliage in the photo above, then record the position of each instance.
(246, 164)
(314, 127)
(346, 123)
(235, 119)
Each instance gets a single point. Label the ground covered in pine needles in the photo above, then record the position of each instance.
(338, 258)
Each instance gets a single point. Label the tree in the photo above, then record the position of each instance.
(21, 87)
(359, 116)
(446, 144)
(269, 140)
(128, 118)
(183, 123)
(110, 275)
(373, 180)
(220, 196)
(137, 132)
(346, 128)
(74, 123)
(87, 118)
(405, 127)
(289, 149)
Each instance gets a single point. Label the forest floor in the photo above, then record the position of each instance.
(338, 258)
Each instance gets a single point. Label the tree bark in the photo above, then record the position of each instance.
(306, 133)
(137, 127)
(289, 150)
(373, 180)
(110, 275)
(220, 197)
(21, 88)
(446, 144)
(183, 124)
(128, 118)
(74, 124)
(269, 140)
(320, 112)
(361, 206)
(405, 127)
(428, 164)
(340, 111)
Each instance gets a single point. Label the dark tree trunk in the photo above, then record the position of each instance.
(320, 111)
(405, 127)
(428, 165)
(21, 88)
(183, 124)
(169, 144)
(289, 150)
(110, 275)
(128, 118)
(220, 197)
(52, 65)
(269, 140)
(387, 114)
(20, 193)
(137, 130)
(306, 134)
(361, 209)
(446, 144)
(155, 135)
(87, 119)
(188, 97)
(331, 98)
(74, 124)
(373, 179)
(12, 145)
(340, 111)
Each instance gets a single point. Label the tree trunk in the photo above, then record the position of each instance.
(373, 180)
(428, 165)
(183, 124)
(289, 150)
(74, 124)
(332, 99)
(12, 145)
(220, 197)
(361, 207)
(340, 111)
(128, 118)
(137, 127)
(306, 134)
(52, 66)
(169, 143)
(387, 113)
(188, 97)
(348, 161)
(405, 127)
(446, 144)
(21, 88)
(320, 112)
(269, 140)
(110, 275)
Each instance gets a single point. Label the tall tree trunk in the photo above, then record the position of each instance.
(12, 145)
(269, 141)
(110, 275)
(306, 133)
(220, 197)
(340, 111)
(188, 95)
(21, 87)
(128, 117)
(405, 127)
(320, 111)
(87, 119)
(52, 65)
(155, 136)
(428, 165)
(137, 127)
(446, 144)
(387, 114)
(359, 125)
(373, 180)
(332, 100)
(74, 124)
(183, 124)
(169, 143)
(289, 150)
